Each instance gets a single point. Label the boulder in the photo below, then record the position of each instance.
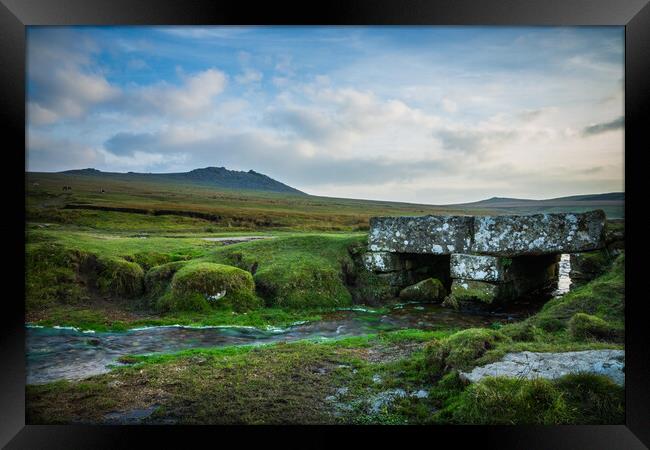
(463, 291)
(438, 235)
(532, 365)
(428, 290)
(538, 234)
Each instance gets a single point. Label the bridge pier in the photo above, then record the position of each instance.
(492, 279)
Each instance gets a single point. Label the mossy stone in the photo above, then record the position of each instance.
(219, 284)
(474, 291)
(429, 290)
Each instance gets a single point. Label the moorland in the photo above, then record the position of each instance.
(106, 254)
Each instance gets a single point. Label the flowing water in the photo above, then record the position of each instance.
(67, 353)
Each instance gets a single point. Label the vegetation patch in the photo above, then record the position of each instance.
(603, 297)
(158, 279)
(461, 350)
(586, 326)
(280, 384)
(572, 399)
(120, 278)
(196, 286)
(295, 271)
(51, 273)
(147, 260)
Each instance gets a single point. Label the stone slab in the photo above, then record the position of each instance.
(438, 235)
(477, 267)
(382, 262)
(532, 365)
(538, 234)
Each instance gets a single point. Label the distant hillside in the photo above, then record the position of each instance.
(613, 203)
(218, 177)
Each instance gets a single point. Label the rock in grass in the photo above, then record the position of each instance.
(223, 285)
(533, 365)
(428, 290)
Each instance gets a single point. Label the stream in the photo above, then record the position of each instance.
(56, 353)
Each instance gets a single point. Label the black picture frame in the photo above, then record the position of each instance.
(15, 15)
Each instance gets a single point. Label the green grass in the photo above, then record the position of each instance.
(461, 350)
(297, 271)
(115, 245)
(573, 399)
(238, 210)
(107, 318)
(603, 297)
(300, 272)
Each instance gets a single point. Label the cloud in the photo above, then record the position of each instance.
(64, 82)
(249, 76)
(129, 143)
(193, 97)
(45, 153)
(599, 128)
(474, 113)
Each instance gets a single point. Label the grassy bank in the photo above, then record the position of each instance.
(105, 281)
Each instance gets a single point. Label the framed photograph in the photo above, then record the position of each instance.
(368, 216)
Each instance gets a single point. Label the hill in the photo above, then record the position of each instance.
(218, 199)
(218, 177)
(613, 203)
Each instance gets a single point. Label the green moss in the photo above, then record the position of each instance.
(580, 399)
(460, 350)
(593, 399)
(594, 262)
(585, 326)
(603, 297)
(226, 286)
(522, 331)
(469, 291)
(193, 302)
(120, 277)
(158, 279)
(369, 288)
(147, 260)
(51, 276)
(428, 290)
(508, 401)
(295, 271)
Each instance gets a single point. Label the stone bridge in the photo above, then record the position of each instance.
(482, 258)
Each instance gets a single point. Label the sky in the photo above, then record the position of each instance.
(423, 114)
